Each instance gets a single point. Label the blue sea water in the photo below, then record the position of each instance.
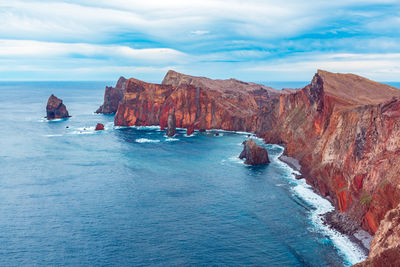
(133, 197)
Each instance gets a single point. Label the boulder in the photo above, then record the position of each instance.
(190, 130)
(171, 130)
(55, 108)
(253, 153)
(99, 127)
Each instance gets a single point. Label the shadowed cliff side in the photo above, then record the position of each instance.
(112, 97)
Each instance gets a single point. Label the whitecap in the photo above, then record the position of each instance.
(145, 140)
(54, 120)
(236, 159)
(169, 139)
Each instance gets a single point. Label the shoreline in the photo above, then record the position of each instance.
(334, 219)
(357, 235)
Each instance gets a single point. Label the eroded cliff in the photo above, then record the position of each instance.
(199, 103)
(345, 131)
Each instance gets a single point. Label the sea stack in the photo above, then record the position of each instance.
(99, 127)
(171, 130)
(253, 153)
(56, 109)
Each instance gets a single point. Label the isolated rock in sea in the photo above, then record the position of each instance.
(385, 247)
(253, 153)
(171, 130)
(99, 127)
(112, 97)
(55, 109)
(190, 130)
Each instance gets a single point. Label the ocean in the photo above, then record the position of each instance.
(134, 197)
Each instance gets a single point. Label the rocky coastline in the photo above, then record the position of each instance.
(334, 219)
(341, 131)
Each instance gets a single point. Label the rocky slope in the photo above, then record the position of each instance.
(342, 128)
(385, 248)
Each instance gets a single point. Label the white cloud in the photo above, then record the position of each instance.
(252, 40)
(36, 49)
(382, 67)
(199, 32)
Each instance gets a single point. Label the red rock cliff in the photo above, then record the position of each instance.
(345, 130)
(198, 102)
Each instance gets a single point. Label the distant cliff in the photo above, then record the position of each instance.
(112, 97)
(199, 102)
(344, 129)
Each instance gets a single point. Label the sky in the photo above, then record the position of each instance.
(252, 40)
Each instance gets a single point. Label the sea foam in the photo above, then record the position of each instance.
(351, 252)
(145, 140)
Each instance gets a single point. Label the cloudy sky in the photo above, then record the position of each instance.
(253, 40)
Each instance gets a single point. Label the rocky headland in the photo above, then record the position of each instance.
(55, 108)
(343, 129)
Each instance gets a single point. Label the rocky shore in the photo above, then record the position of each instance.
(342, 129)
(336, 220)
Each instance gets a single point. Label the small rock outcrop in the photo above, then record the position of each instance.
(190, 130)
(99, 127)
(253, 153)
(171, 130)
(55, 108)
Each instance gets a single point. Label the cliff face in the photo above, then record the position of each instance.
(345, 130)
(199, 103)
(112, 97)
